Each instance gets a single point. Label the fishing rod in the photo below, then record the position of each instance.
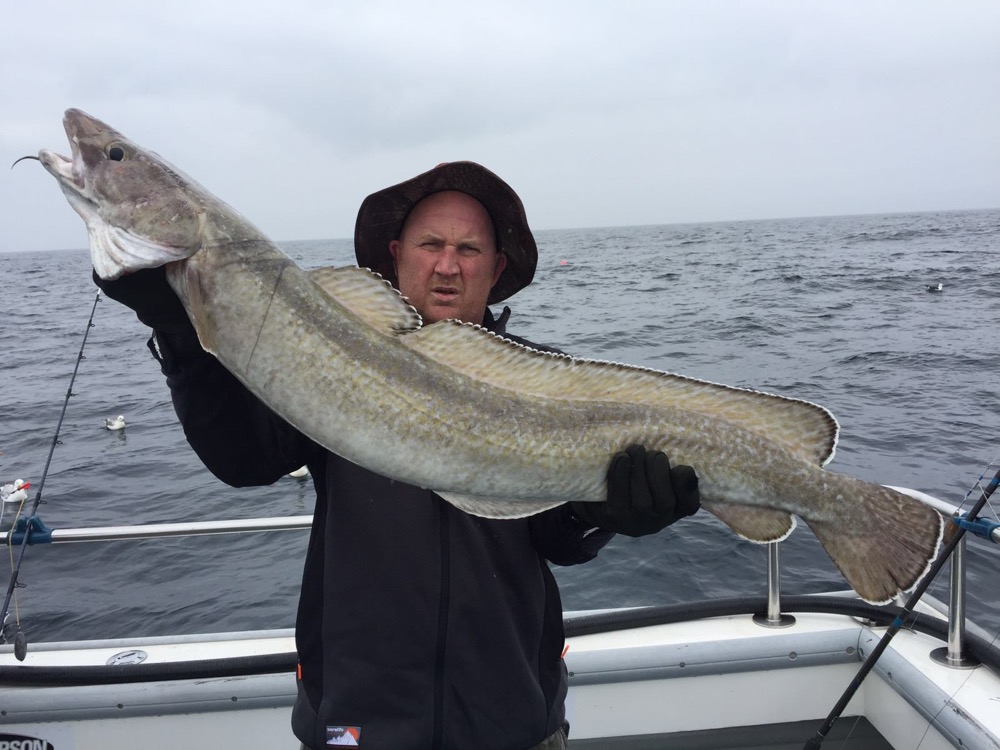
(899, 621)
(20, 643)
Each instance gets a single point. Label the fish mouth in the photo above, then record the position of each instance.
(69, 170)
(69, 174)
(60, 167)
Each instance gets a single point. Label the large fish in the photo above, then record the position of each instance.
(493, 427)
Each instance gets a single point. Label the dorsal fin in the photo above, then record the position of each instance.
(803, 427)
(369, 296)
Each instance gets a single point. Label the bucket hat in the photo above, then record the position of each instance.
(381, 217)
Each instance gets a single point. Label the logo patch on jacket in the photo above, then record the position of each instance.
(23, 742)
(343, 736)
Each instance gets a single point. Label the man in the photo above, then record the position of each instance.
(419, 626)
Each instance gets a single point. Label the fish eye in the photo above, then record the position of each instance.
(116, 153)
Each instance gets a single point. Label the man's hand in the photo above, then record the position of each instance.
(645, 495)
(149, 295)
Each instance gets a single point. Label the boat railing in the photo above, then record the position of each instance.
(33, 531)
(954, 654)
(39, 533)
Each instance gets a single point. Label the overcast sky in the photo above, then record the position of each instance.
(597, 113)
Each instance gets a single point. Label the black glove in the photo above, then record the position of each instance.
(644, 494)
(149, 295)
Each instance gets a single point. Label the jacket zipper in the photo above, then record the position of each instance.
(442, 629)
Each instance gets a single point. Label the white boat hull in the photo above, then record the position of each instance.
(693, 676)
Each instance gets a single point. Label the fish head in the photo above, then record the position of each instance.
(140, 212)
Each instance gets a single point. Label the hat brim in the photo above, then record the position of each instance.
(381, 217)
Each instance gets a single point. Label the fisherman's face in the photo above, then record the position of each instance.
(446, 257)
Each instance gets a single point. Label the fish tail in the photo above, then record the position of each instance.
(888, 549)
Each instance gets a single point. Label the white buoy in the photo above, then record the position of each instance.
(15, 492)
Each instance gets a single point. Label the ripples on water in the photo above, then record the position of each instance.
(833, 310)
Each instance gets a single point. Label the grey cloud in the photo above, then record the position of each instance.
(633, 112)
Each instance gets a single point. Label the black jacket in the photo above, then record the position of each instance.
(419, 626)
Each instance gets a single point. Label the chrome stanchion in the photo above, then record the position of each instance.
(953, 655)
(774, 618)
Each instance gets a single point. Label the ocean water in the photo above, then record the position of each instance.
(833, 310)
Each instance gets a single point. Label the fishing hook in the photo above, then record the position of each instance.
(23, 158)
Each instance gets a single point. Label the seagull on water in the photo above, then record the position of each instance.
(118, 423)
(935, 288)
